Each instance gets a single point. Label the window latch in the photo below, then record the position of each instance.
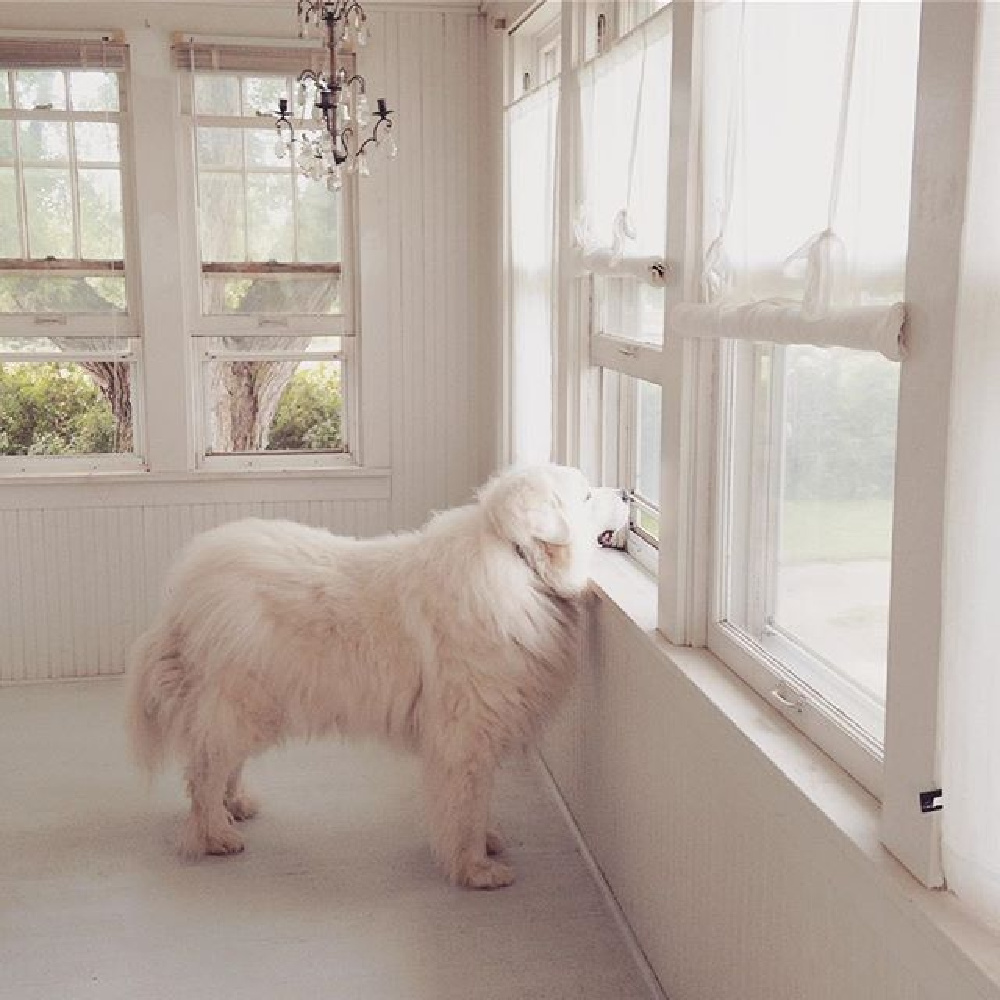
(50, 319)
(930, 801)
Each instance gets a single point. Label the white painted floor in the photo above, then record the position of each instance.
(336, 895)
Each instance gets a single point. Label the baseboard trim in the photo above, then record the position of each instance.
(612, 904)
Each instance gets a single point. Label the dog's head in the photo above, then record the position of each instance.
(554, 520)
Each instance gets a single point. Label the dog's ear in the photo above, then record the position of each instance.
(523, 508)
(548, 524)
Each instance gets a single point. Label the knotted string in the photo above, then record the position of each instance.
(824, 253)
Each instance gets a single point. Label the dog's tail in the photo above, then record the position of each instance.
(156, 688)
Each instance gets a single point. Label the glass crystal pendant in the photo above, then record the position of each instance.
(363, 169)
(361, 111)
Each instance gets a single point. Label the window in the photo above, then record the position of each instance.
(274, 333)
(807, 530)
(69, 349)
(535, 50)
(620, 233)
(809, 433)
(531, 133)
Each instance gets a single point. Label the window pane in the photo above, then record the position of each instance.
(6, 140)
(631, 308)
(42, 292)
(647, 460)
(305, 294)
(262, 146)
(216, 94)
(223, 224)
(93, 90)
(50, 213)
(65, 408)
(43, 140)
(270, 217)
(318, 222)
(35, 88)
(96, 142)
(4, 89)
(10, 238)
(838, 454)
(255, 406)
(220, 147)
(101, 235)
(262, 93)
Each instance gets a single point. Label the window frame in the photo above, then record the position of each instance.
(203, 328)
(122, 326)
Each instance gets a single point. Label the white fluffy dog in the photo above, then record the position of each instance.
(455, 642)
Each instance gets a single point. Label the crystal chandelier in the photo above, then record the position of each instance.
(348, 136)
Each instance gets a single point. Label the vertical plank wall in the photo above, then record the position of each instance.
(431, 255)
(79, 578)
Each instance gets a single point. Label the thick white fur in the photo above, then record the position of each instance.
(455, 642)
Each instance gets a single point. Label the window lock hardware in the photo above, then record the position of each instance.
(272, 321)
(50, 319)
(629, 352)
(792, 703)
(930, 801)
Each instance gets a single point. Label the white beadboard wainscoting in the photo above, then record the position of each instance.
(746, 863)
(81, 571)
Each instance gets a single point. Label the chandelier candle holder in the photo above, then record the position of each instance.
(348, 136)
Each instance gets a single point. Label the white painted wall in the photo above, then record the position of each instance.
(81, 561)
(746, 862)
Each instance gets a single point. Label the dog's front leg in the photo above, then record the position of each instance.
(459, 786)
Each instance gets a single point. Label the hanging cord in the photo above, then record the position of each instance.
(824, 252)
(623, 227)
(583, 234)
(716, 268)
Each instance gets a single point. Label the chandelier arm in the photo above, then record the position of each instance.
(334, 89)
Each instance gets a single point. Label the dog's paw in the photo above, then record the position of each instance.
(226, 841)
(242, 807)
(195, 842)
(495, 843)
(486, 874)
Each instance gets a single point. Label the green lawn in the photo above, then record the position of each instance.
(846, 531)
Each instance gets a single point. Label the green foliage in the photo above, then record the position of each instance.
(840, 426)
(310, 412)
(52, 409)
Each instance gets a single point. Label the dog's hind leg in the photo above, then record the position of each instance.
(239, 803)
(459, 789)
(209, 826)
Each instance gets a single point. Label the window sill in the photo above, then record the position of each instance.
(936, 916)
(142, 488)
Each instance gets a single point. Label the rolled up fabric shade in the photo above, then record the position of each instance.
(862, 328)
(651, 270)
